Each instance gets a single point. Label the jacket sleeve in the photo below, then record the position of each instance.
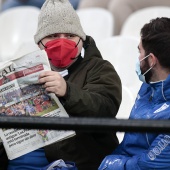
(100, 95)
(156, 157)
(115, 162)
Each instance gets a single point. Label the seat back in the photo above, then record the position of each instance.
(17, 25)
(96, 22)
(125, 108)
(126, 104)
(122, 52)
(136, 20)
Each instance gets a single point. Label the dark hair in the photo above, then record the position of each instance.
(155, 38)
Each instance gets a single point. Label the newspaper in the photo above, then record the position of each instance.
(22, 95)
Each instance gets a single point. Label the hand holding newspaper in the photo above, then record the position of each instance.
(22, 95)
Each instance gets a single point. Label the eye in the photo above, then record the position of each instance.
(71, 35)
(53, 36)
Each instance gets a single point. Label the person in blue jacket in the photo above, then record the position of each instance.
(148, 151)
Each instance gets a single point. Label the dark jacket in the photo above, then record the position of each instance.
(3, 158)
(94, 90)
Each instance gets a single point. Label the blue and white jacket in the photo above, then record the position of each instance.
(145, 151)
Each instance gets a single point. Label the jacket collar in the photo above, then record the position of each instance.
(161, 90)
(90, 48)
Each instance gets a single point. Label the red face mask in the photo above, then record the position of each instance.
(61, 52)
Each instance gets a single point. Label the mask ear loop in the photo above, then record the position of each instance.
(42, 44)
(149, 68)
(44, 47)
(78, 42)
(75, 47)
(145, 57)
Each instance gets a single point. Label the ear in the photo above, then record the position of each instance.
(152, 60)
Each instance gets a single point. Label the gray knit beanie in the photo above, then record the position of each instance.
(58, 16)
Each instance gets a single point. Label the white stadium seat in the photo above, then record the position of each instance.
(17, 26)
(136, 20)
(125, 108)
(122, 52)
(96, 22)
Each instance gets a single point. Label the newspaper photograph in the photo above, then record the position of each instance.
(22, 95)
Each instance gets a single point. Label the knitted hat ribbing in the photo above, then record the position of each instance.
(58, 16)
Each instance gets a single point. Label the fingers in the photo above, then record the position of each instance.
(53, 82)
(48, 76)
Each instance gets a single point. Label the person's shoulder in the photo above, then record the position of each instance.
(144, 90)
(99, 63)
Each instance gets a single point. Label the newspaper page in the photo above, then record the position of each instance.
(21, 95)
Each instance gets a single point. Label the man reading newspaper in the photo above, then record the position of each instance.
(90, 88)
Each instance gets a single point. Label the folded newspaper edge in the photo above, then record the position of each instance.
(22, 95)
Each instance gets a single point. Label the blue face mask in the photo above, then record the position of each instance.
(138, 70)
